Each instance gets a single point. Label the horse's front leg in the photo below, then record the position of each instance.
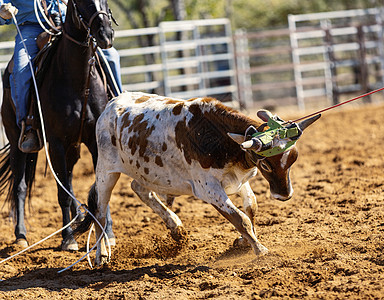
(63, 162)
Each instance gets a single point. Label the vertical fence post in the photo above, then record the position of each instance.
(296, 62)
(363, 76)
(331, 83)
(380, 39)
(243, 68)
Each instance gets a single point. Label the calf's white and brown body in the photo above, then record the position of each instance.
(173, 147)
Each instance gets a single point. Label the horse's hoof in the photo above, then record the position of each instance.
(69, 246)
(22, 243)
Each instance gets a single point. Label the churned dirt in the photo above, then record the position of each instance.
(327, 242)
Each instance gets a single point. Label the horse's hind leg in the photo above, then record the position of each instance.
(16, 164)
(171, 220)
(63, 162)
(19, 194)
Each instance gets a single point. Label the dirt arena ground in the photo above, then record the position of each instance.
(327, 242)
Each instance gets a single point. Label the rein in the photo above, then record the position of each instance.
(91, 63)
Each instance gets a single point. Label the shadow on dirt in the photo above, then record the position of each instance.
(49, 278)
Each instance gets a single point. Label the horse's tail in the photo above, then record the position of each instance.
(7, 177)
(84, 225)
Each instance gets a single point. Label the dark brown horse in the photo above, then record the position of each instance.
(87, 24)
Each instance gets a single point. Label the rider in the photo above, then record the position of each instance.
(21, 76)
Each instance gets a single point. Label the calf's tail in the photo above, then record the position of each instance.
(84, 225)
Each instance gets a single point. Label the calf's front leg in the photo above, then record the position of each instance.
(215, 195)
(250, 208)
(242, 223)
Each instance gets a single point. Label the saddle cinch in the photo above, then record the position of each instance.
(47, 45)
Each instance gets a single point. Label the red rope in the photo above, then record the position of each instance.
(342, 103)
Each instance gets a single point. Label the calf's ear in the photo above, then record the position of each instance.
(238, 138)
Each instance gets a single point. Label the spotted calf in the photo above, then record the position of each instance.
(197, 147)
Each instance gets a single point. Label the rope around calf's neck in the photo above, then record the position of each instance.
(54, 174)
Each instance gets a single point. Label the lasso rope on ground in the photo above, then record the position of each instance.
(39, 242)
(54, 174)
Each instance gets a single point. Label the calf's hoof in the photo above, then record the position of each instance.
(260, 249)
(179, 234)
(241, 243)
(22, 243)
(69, 245)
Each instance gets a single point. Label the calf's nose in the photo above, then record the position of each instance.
(282, 197)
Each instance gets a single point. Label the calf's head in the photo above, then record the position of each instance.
(271, 148)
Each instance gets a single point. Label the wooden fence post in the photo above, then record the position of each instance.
(332, 64)
(364, 75)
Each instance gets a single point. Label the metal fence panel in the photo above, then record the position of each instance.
(343, 47)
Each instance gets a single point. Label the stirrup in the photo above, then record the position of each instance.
(23, 135)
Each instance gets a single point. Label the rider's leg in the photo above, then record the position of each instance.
(113, 59)
(21, 81)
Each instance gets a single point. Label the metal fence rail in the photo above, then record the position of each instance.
(341, 50)
(264, 68)
(180, 59)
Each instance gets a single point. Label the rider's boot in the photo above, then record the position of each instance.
(28, 141)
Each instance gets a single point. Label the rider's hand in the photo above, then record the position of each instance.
(6, 11)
